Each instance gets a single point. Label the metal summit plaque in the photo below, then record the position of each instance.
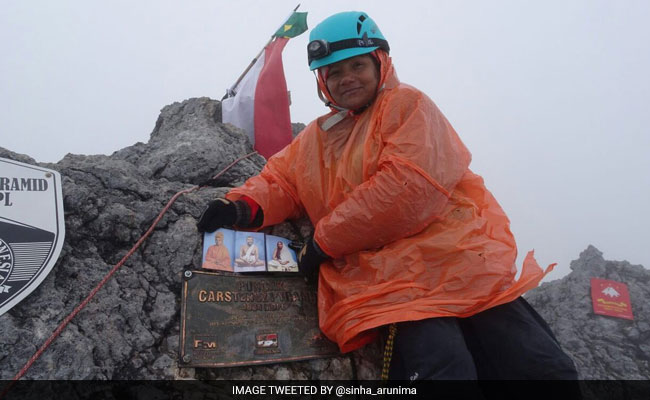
(232, 320)
(32, 228)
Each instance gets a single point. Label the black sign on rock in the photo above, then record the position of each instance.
(235, 320)
(32, 228)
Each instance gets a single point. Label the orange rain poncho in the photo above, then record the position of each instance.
(412, 231)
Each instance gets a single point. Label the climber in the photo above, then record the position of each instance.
(407, 239)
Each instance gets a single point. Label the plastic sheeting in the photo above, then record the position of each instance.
(413, 232)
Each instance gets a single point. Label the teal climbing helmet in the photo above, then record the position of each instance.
(343, 35)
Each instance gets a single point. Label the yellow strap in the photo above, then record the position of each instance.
(388, 351)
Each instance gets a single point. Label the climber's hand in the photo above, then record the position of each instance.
(309, 260)
(223, 213)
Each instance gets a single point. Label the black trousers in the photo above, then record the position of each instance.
(508, 342)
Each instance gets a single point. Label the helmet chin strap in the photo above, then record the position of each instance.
(324, 100)
(334, 119)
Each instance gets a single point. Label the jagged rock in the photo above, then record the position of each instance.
(130, 330)
(5, 153)
(602, 347)
(189, 143)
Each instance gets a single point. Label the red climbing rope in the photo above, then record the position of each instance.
(69, 318)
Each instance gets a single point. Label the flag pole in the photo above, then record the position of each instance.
(230, 92)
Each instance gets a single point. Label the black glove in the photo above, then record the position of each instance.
(309, 260)
(224, 213)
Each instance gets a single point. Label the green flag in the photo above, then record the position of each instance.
(295, 25)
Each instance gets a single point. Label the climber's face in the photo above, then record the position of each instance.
(353, 82)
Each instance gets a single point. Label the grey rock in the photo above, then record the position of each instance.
(130, 329)
(5, 153)
(189, 143)
(296, 128)
(602, 347)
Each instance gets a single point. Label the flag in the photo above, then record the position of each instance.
(295, 25)
(259, 103)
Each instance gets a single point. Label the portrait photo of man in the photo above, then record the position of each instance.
(250, 253)
(217, 256)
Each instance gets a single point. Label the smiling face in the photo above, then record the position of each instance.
(353, 82)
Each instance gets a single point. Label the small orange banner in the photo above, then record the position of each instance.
(611, 298)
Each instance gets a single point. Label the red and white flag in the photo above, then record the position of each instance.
(260, 105)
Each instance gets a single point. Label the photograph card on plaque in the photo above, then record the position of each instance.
(237, 251)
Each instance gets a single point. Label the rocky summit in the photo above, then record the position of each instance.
(130, 330)
(602, 347)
